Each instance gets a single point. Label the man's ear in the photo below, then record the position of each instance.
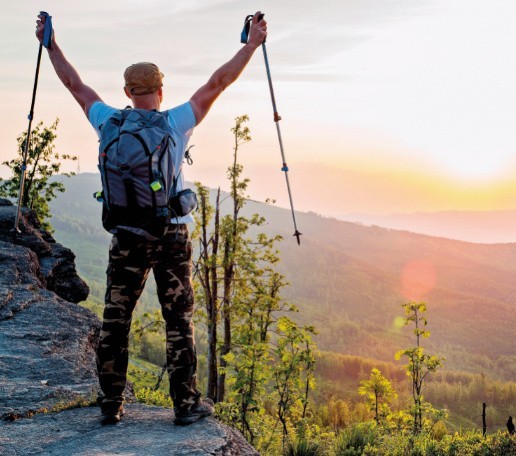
(160, 94)
(126, 90)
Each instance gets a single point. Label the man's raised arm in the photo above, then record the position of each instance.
(84, 94)
(202, 100)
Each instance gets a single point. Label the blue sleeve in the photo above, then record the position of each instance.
(98, 113)
(182, 119)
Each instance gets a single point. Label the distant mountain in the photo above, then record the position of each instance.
(350, 281)
(471, 226)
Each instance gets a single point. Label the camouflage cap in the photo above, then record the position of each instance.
(143, 78)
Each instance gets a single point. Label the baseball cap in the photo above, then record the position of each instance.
(143, 78)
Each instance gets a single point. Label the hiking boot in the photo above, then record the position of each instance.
(201, 409)
(112, 416)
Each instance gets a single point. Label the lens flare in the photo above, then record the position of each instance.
(418, 279)
(398, 323)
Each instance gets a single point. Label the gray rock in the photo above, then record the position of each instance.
(144, 430)
(55, 262)
(46, 352)
(46, 342)
(18, 265)
(29, 234)
(58, 270)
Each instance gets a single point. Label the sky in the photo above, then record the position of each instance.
(387, 106)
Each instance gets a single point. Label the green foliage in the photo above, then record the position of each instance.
(419, 364)
(469, 443)
(152, 348)
(337, 414)
(293, 371)
(464, 397)
(147, 337)
(151, 397)
(378, 392)
(65, 404)
(42, 163)
(222, 266)
(94, 305)
(303, 447)
(353, 441)
(148, 388)
(265, 369)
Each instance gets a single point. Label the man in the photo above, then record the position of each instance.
(510, 426)
(131, 257)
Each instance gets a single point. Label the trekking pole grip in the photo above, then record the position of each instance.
(47, 30)
(260, 17)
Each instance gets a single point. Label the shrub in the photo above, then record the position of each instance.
(150, 397)
(303, 447)
(470, 443)
(353, 440)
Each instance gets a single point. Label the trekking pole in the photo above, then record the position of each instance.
(244, 37)
(47, 38)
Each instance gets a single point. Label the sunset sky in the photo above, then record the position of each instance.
(387, 106)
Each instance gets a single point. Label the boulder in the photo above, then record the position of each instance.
(56, 263)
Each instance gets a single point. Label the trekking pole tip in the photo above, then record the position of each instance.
(297, 234)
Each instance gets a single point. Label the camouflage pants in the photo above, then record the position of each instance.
(130, 260)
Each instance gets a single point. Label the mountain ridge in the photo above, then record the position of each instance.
(491, 227)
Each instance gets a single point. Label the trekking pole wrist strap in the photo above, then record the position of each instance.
(244, 36)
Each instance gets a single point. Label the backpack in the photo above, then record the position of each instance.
(137, 172)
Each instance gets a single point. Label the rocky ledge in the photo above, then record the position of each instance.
(47, 368)
(144, 430)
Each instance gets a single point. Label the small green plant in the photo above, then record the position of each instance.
(94, 305)
(151, 397)
(378, 392)
(42, 163)
(353, 440)
(303, 447)
(419, 364)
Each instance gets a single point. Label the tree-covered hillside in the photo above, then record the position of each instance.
(349, 281)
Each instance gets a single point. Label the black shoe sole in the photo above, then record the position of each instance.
(186, 420)
(110, 419)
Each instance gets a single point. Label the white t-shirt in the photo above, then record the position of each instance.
(182, 122)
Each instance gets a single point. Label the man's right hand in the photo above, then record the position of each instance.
(40, 27)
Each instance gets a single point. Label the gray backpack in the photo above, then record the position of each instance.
(137, 172)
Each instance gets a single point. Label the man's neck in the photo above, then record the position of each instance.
(143, 105)
(148, 102)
